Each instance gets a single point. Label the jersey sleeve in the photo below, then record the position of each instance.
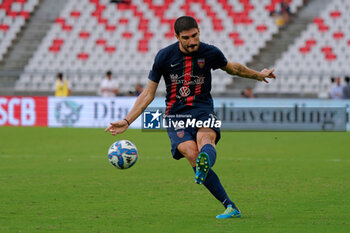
(219, 59)
(156, 73)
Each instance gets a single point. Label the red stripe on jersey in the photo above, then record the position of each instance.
(198, 89)
(189, 100)
(188, 71)
(187, 78)
(172, 97)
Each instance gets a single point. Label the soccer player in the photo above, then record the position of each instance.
(186, 67)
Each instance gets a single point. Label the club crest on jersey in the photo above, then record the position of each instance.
(184, 91)
(180, 133)
(201, 62)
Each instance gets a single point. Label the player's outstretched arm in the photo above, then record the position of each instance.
(144, 99)
(235, 68)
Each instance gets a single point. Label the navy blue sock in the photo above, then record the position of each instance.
(213, 184)
(210, 150)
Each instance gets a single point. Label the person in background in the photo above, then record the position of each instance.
(247, 93)
(285, 11)
(281, 13)
(62, 86)
(108, 87)
(120, 1)
(346, 88)
(337, 90)
(138, 89)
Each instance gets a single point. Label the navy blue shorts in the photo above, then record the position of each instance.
(178, 135)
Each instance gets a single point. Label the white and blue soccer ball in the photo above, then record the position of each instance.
(122, 154)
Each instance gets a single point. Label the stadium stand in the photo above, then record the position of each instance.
(319, 53)
(92, 36)
(13, 15)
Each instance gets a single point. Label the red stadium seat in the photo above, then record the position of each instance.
(326, 49)
(335, 14)
(311, 42)
(304, 50)
(338, 35)
(55, 48)
(143, 24)
(84, 35)
(58, 41)
(261, 28)
(60, 20)
(4, 27)
(143, 46)
(75, 14)
(331, 57)
(123, 21)
(318, 20)
(67, 28)
(13, 14)
(307, 47)
(111, 28)
(323, 28)
(102, 20)
(83, 56)
(170, 35)
(101, 41)
(56, 45)
(238, 42)
(234, 35)
(148, 35)
(110, 49)
(238, 17)
(127, 35)
(24, 14)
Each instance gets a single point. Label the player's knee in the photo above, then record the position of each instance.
(189, 150)
(205, 136)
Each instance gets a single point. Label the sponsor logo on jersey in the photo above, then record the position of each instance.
(180, 133)
(201, 62)
(184, 91)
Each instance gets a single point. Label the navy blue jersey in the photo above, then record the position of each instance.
(187, 77)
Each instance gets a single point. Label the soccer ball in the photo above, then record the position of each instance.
(122, 154)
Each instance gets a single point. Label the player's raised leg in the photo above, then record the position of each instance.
(206, 145)
(189, 149)
(207, 156)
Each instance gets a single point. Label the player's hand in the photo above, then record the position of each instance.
(117, 127)
(266, 73)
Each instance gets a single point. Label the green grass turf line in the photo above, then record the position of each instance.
(59, 180)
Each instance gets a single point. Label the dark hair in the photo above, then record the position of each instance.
(332, 79)
(59, 75)
(184, 23)
(347, 79)
(109, 73)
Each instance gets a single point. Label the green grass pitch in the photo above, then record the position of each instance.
(60, 180)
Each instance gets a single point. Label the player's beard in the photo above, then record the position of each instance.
(188, 47)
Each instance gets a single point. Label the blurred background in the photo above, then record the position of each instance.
(99, 53)
(306, 41)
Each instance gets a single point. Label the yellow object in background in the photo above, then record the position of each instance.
(62, 88)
